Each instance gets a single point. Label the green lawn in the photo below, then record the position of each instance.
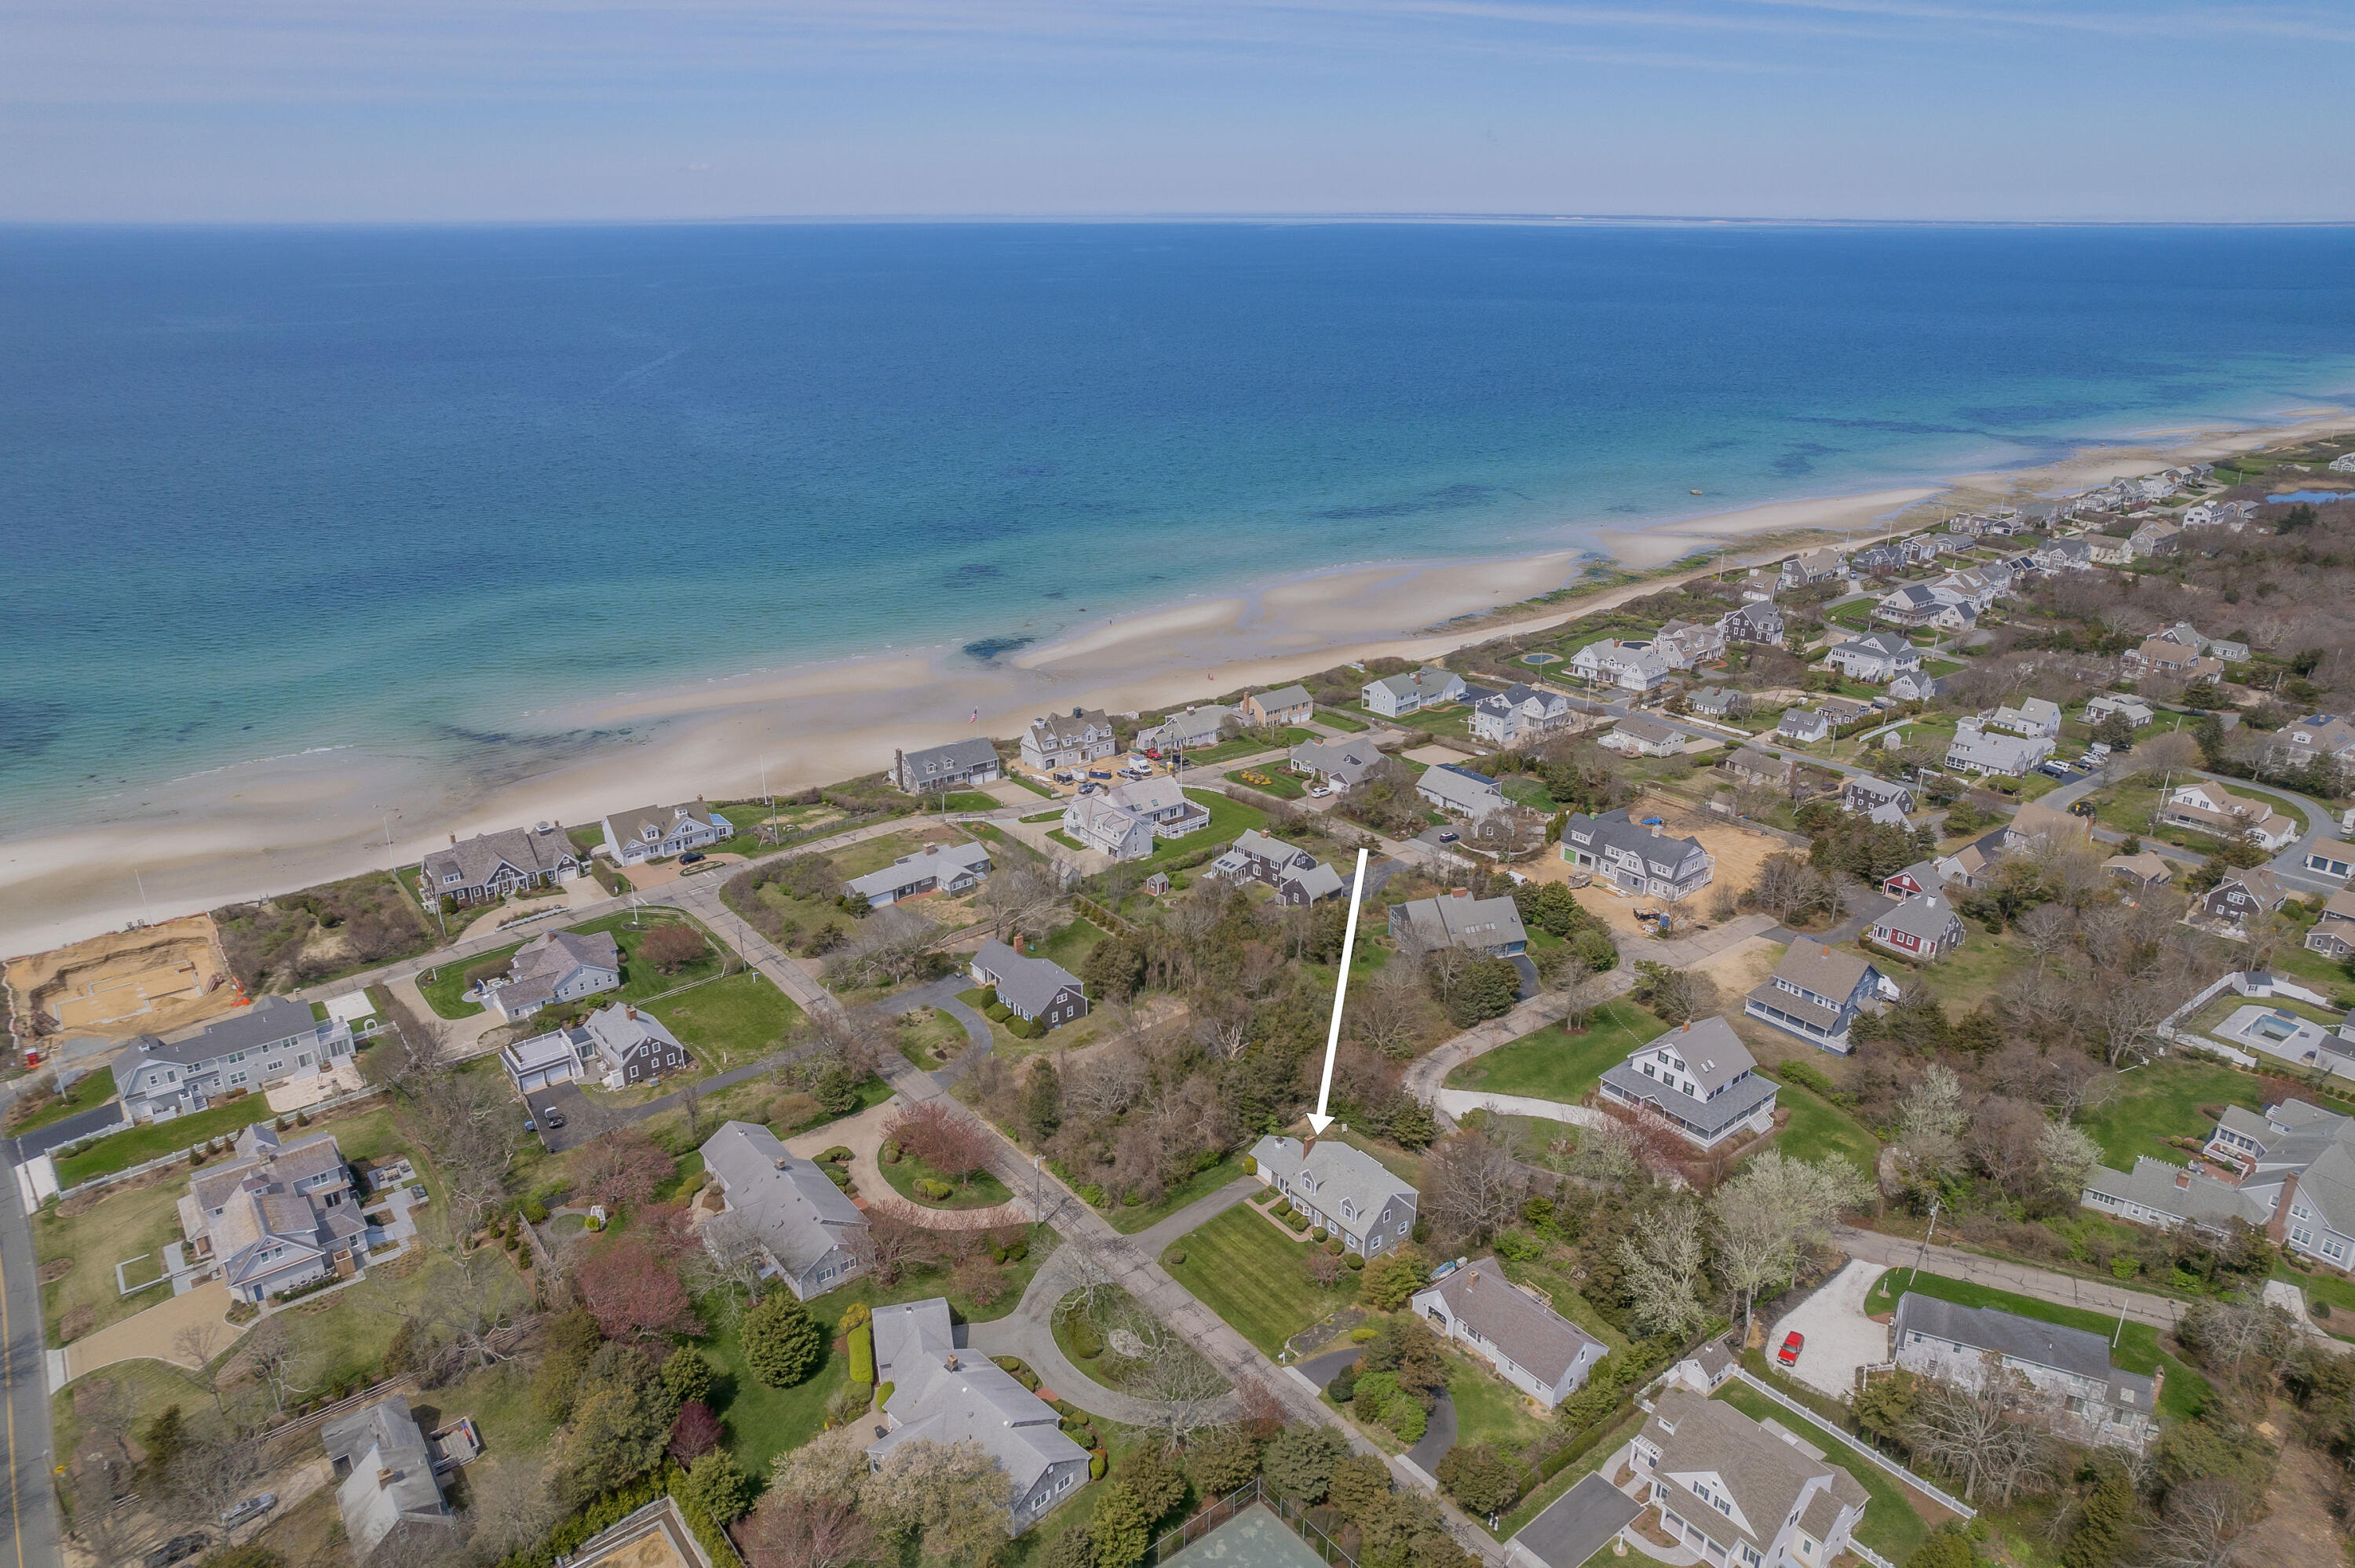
(1248, 1274)
(1229, 819)
(1818, 1128)
(1270, 778)
(1891, 1525)
(2181, 1397)
(1965, 977)
(1069, 945)
(764, 1422)
(92, 1091)
(968, 800)
(1066, 840)
(983, 1191)
(1554, 1065)
(1336, 719)
(1546, 1496)
(727, 1022)
(1488, 1409)
(1053, 816)
(1129, 1219)
(445, 992)
(2162, 1100)
(1246, 746)
(135, 1145)
(121, 1226)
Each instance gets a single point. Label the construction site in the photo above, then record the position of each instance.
(150, 980)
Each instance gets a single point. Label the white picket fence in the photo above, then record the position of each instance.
(43, 1172)
(1944, 1498)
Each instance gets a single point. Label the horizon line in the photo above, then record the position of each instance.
(1506, 219)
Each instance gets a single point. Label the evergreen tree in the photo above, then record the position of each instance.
(687, 1375)
(1043, 1100)
(2108, 1514)
(781, 1345)
(1299, 1462)
(1119, 1530)
(717, 1486)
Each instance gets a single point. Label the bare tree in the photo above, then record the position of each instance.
(1994, 1430)
(467, 1122)
(1021, 898)
(1187, 1392)
(1385, 1013)
(893, 1241)
(1663, 1262)
(193, 1350)
(1472, 1189)
(892, 946)
(729, 1264)
(271, 1358)
(477, 1296)
(1083, 1268)
(209, 1474)
(1930, 1122)
(2202, 1526)
(524, 1503)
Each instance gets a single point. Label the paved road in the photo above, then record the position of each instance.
(2021, 1278)
(30, 1539)
(942, 993)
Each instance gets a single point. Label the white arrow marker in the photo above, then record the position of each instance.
(1318, 1121)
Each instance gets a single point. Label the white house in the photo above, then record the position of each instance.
(1639, 735)
(1067, 740)
(1395, 696)
(277, 1216)
(1701, 1079)
(1975, 750)
(1099, 824)
(1883, 656)
(2091, 1400)
(658, 832)
(1531, 1346)
(554, 967)
(946, 869)
(275, 1040)
(2034, 717)
(1520, 714)
(1459, 791)
(1732, 1492)
(1630, 667)
(937, 769)
(1635, 858)
(2138, 712)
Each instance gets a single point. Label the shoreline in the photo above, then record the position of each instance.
(246, 831)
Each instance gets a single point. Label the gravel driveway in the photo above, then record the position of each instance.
(1840, 1338)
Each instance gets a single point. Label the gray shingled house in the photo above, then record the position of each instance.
(1346, 1190)
(2093, 1402)
(1635, 858)
(943, 1395)
(1039, 990)
(1699, 1078)
(275, 1040)
(383, 1476)
(1490, 928)
(936, 868)
(1532, 1347)
(657, 832)
(488, 866)
(557, 966)
(809, 1230)
(937, 769)
(1733, 1492)
(278, 1216)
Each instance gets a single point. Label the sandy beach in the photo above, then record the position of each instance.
(272, 826)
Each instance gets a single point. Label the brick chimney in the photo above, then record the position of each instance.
(2278, 1224)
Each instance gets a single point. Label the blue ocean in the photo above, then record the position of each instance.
(266, 490)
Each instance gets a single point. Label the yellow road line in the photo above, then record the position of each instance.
(7, 1392)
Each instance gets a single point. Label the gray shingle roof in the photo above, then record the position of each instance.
(266, 1022)
(1343, 760)
(1926, 917)
(1026, 984)
(2074, 1351)
(1766, 1475)
(955, 760)
(1338, 1170)
(1463, 922)
(475, 860)
(798, 1212)
(1530, 1333)
(2153, 1184)
(383, 1437)
(943, 1395)
(1476, 794)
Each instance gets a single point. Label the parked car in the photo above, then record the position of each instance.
(1448, 837)
(552, 1121)
(173, 1550)
(250, 1507)
(1793, 1342)
(2053, 769)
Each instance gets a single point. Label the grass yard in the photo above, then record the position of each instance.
(1544, 1497)
(1248, 1274)
(983, 1191)
(968, 801)
(1270, 780)
(727, 1022)
(2161, 1100)
(1562, 1291)
(1967, 976)
(93, 1090)
(446, 992)
(1553, 1064)
(2181, 1397)
(1054, 816)
(1069, 945)
(1487, 1408)
(1229, 819)
(121, 1225)
(1030, 784)
(875, 853)
(1819, 1127)
(1066, 840)
(1247, 746)
(1892, 1526)
(135, 1145)
(1336, 719)
(1129, 1219)
(764, 1422)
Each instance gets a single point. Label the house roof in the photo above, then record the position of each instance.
(1874, 788)
(1887, 644)
(1193, 727)
(1827, 971)
(1527, 1331)
(1475, 794)
(2035, 819)
(2074, 1351)
(1267, 847)
(1749, 760)
(1146, 796)
(266, 1022)
(2144, 867)
(1292, 696)
(1053, 730)
(1460, 920)
(1714, 1058)
(1927, 918)
(1765, 1474)
(943, 1394)
(1343, 759)
(941, 862)
(383, 1437)
(1921, 870)
(549, 959)
(1099, 814)
(540, 1051)
(618, 1030)
(2261, 882)
(475, 860)
(1650, 731)
(1712, 699)
(1335, 1171)
(1662, 855)
(955, 760)
(1026, 984)
(796, 1210)
(630, 824)
(1318, 881)
(2171, 1190)
(1430, 678)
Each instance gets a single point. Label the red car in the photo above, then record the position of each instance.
(1792, 1344)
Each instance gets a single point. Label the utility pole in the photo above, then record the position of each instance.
(1914, 1272)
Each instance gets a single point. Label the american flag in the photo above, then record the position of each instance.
(976, 718)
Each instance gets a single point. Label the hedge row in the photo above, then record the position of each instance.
(603, 1513)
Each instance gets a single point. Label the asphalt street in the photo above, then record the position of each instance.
(31, 1538)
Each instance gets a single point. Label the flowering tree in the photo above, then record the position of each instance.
(619, 1171)
(695, 1432)
(633, 1292)
(943, 1136)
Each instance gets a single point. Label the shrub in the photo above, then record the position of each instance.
(1334, 1246)
(1096, 1466)
(782, 1345)
(1175, 1256)
(998, 1011)
(1355, 1262)
(1318, 1235)
(534, 1211)
(862, 1353)
(687, 1375)
(891, 1154)
(1250, 1166)
(926, 1187)
(1406, 1417)
(671, 948)
(989, 999)
(1086, 1343)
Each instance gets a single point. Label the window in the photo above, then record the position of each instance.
(236, 1078)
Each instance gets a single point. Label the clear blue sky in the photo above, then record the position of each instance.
(343, 109)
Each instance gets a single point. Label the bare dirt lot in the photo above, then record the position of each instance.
(148, 981)
(1738, 852)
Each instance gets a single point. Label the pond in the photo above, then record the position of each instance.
(2319, 496)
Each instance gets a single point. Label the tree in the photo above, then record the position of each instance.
(1663, 1263)
(831, 1464)
(2066, 1156)
(1390, 1280)
(619, 1170)
(619, 1429)
(635, 1293)
(270, 1358)
(781, 1345)
(1220, 1460)
(1930, 1122)
(1948, 1547)
(718, 1485)
(1774, 1207)
(1676, 996)
(1185, 1392)
(1472, 1189)
(1994, 1430)
(2106, 1519)
(467, 1119)
(1043, 1100)
(951, 1495)
(687, 1373)
(942, 1135)
(528, 1505)
(1118, 1532)
(1299, 1462)
(694, 1432)
(1480, 1478)
(213, 1473)
(792, 1532)
(673, 948)
(1021, 898)
(893, 1241)
(2201, 1527)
